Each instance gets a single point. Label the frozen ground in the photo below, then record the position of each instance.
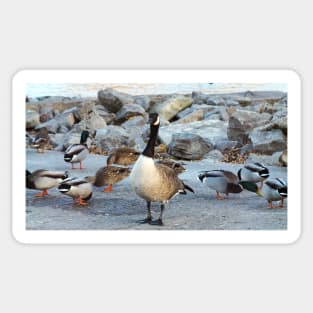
(121, 208)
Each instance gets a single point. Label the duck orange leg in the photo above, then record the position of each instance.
(73, 167)
(42, 194)
(218, 196)
(270, 205)
(108, 189)
(281, 203)
(81, 165)
(80, 201)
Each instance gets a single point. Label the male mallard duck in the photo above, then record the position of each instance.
(79, 189)
(274, 189)
(110, 175)
(44, 180)
(176, 166)
(41, 140)
(221, 181)
(77, 152)
(152, 181)
(123, 156)
(254, 173)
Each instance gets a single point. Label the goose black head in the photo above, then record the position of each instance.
(154, 119)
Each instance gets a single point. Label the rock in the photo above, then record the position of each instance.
(215, 155)
(193, 108)
(110, 138)
(135, 121)
(113, 100)
(224, 116)
(144, 101)
(268, 142)
(188, 146)
(56, 140)
(46, 114)
(215, 100)
(108, 117)
(271, 160)
(129, 111)
(211, 130)
(169, 108)
(92, 122)
(32, 119)
(242, 122)
(61, 121)
(226, 144)
(283, 158)
(197, 115)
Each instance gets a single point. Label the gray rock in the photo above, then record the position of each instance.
(271, 160)
(268, 142)
(188, 146)
(92, 122)
(113, 100)
(170, 107)
(110, 138)
(197, 115)
(283, 158)
(56, 140)
(215, 155)
(194, 107)
(242, 122)
(212, 130)
(52, 125)
(129, 111)
(32, 119)
(108, 117)
(135, 121)
(144, 101)
(226, 144)
(46, 114)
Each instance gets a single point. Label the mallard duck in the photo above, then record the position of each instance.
(255, 173)
(123, 156)
(41, 140)
(76, 153)
(80, 189)
(221, 181)
(44, 180)
(274, 189)
(176, 166)
(110, 175)
(152, 181)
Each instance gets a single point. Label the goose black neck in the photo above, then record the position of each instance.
(149, 150)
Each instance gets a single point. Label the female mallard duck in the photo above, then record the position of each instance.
(110, 175)
(274, 189)
(44, 180)
(176, 166)
(76, 153)
(225, 182)
(254, 173)
(41, 140)
(155, 182)
(79, 189)
(123, 156)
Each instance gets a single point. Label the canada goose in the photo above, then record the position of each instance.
(152, 181)
(274, 189)
(79, 189)
(123, 156)
(224, 182)
(76, 153)
(110, 175)
(255, 172)
(44, 180)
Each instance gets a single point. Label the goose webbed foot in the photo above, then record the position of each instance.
(147, 220)
(157, 222)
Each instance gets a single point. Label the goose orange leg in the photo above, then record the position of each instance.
(42, 194)
(108, 189)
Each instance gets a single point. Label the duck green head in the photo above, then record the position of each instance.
(253, 187)
(84, 136)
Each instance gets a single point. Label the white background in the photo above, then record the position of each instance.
(160, 34)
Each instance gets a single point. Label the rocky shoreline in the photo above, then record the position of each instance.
(237, 127)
